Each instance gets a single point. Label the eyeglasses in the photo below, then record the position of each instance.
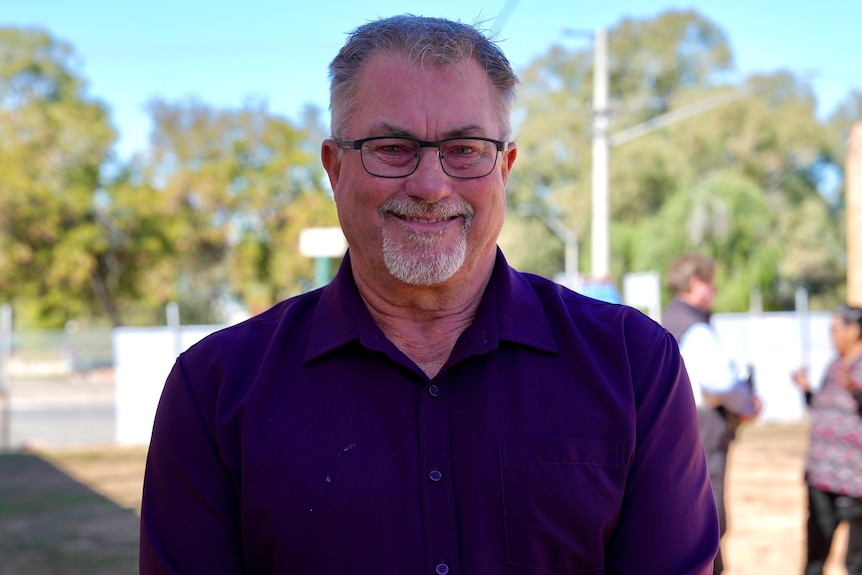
(398, 157)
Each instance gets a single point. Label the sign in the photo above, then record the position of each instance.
(322, 242)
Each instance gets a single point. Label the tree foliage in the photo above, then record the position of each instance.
(210, 213)
(53, 143)
(746, 182)
(239, 185)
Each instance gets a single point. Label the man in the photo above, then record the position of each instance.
(431, 410)
(723, 396)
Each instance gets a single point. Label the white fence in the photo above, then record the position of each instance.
(143, 357)
(776, 344)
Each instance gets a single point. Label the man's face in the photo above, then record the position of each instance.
(702, 293)
(428, 226)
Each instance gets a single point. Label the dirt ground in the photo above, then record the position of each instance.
(75, 504)
(767, 505)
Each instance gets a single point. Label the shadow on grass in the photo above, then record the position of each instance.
(51, 524)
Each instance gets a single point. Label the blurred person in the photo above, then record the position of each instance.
(833, 463)
(431, 410)
(724, 394)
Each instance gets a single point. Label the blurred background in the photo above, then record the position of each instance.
(159, 171)
(159, 164)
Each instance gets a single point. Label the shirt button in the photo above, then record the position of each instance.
(433, 391)
(436, 476)
(442, 569)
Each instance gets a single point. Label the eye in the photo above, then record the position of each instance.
(392, 147)
(462, 148)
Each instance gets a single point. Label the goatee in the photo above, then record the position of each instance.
(421, 258)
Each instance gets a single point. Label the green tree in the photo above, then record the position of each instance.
(650, 62)
(839, 123)
(54, 140)
(725, 216)
(737, 172)
(136, 261)
(237, 186)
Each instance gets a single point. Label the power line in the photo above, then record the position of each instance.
(503, 16)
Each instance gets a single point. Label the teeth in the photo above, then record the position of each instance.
(419, 220)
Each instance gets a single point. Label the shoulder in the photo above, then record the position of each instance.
(587, 311)
(615, 328)
(522, 298)
(223, 367)
(628, 348)
(248, 340)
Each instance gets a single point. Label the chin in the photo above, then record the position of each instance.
(423, 267)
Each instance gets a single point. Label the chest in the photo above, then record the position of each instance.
(477, 456)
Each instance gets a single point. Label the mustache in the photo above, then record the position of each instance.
(417, 208)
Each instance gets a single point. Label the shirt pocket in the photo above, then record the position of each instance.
(561, 499)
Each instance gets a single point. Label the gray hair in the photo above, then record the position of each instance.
(424, 40)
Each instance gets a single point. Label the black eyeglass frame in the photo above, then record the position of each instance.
(357, 145)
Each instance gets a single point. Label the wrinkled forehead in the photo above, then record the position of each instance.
(424, 100)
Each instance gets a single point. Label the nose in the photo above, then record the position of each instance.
(429, 182)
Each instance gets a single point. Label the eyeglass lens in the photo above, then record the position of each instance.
(399, 157)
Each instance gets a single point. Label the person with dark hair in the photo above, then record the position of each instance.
(833, 463)
(431, 410)
(723, 392)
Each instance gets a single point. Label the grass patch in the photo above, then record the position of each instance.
(70, 512)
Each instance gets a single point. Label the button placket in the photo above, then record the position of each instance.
(438, 499)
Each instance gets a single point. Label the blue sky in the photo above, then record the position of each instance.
(223, 52)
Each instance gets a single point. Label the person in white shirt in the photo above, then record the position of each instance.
(724, 394)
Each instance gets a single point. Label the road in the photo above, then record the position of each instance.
(58, 412)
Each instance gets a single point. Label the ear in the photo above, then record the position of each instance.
(509, 159)
(330, 156)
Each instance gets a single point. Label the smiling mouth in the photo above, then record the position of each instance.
(423, 214)
(420, 220)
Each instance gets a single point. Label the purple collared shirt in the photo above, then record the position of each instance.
(560, 437)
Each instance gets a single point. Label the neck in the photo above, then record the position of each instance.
(424, 322)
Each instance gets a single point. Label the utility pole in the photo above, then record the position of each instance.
(603, 141)
(601, 122)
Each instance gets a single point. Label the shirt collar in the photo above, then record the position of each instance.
(510, 310)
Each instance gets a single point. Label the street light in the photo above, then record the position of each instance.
(569, 238)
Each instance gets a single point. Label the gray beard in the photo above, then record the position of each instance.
(420, 259)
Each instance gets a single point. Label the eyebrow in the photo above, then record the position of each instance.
(463, 131)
